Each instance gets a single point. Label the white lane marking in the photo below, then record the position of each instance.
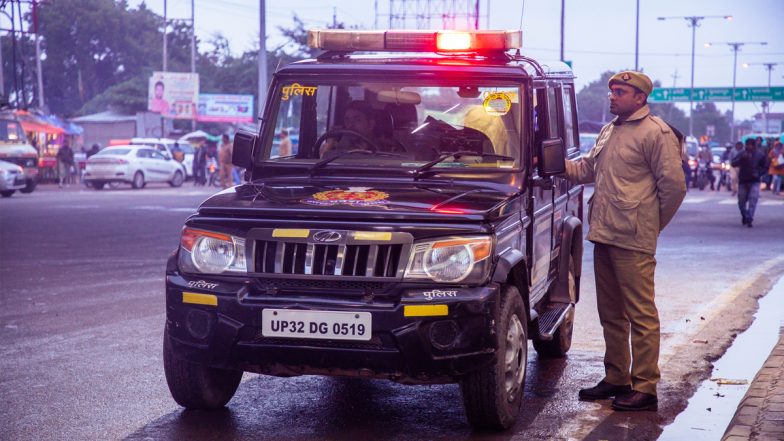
(772, 202)
(729, 202)
(161, 208)
(694, 200)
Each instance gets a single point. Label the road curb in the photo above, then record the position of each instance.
(760, 414)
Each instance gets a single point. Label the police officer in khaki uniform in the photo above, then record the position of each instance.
(636, 167)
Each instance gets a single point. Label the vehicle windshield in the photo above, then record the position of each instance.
(396, 125)
(11, 131)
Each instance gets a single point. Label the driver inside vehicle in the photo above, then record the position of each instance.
(360, 131)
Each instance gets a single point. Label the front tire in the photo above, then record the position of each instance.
(195, 386)
(177, 180)
(138, 180)
(31, 184)
(7, 193)
(493, 394)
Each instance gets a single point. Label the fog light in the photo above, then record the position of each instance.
(199, 323)
(443, 334)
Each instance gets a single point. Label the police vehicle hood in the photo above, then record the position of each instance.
(404, 201)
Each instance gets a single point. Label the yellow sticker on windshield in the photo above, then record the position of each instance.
(297, 89)
(497, 103)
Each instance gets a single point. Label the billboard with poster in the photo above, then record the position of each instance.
(173, 94)
(225, 108)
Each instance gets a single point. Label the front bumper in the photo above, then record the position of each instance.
(430, 349)
(12, 182)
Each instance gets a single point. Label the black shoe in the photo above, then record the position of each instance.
(748, 223)
(745, 221)
(602, 391)
(635, 400)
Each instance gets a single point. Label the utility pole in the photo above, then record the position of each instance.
(193, 59)
(262, 56)
(637, 40)
(334, 17)
(735, 47)
(765, 105)
(165, 30)
(675, 77)
(693, 21)
(37, 57)
(563, 9)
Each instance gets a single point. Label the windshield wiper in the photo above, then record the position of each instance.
(457, 155)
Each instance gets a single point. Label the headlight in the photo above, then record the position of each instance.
(208, 252)
(460, 259)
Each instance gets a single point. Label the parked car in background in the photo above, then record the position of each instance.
(132, 164)
(166, 147)
(12, 178)
(16, 149)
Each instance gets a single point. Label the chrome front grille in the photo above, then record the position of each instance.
(355, 260)
(355, 255)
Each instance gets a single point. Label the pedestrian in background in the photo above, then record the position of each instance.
(65, 162)
(93, 150)
(733, 169)
(776, 169)
(225, 167)
(751, 164)
(199, 162)
(285, 144)
(636, 165)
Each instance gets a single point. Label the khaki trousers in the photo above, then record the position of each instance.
(625, 298)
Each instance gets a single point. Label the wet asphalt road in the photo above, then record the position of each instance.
(82, 313)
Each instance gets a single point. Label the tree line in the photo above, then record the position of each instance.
(99, 54)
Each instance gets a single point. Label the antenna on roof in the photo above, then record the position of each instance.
(522, 12)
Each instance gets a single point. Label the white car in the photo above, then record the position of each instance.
(12, 178)
(166, 147)
(132, 164)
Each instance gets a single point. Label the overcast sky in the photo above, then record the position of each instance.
(600, 34)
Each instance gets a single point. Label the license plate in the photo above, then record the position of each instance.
(327, 325)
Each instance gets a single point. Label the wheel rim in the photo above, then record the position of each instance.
(137, 179)
(515, 358)
(177, 178)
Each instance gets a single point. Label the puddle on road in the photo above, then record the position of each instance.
(713, 405)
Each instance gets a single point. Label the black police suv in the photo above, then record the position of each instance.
(402, 217)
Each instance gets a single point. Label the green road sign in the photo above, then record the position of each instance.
(670, 94)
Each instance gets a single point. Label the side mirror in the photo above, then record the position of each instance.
(242, 152)
(552, 158)
(167, 157)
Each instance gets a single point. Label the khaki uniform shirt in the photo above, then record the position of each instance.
(636, 166)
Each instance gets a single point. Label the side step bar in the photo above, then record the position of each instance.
(551, 319)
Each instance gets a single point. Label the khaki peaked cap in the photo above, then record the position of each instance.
(635, 79)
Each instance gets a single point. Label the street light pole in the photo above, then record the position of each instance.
(765, 104)
(693, 21)
(735, 47)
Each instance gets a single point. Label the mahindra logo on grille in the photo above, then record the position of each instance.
(327, 236)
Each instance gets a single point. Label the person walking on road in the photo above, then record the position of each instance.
(636, 167)
(752, 164)
(776, 169)
(734, 170)
(65, 161)
(225, 167)
(199, 162)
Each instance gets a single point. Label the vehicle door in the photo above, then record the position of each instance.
(560, 101)
(162, 167)
(542, 199)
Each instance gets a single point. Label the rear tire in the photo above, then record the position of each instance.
(195, 386)
(138, 180)
(7, 193)
(98, 185)
(562, 339)
(492, 395)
